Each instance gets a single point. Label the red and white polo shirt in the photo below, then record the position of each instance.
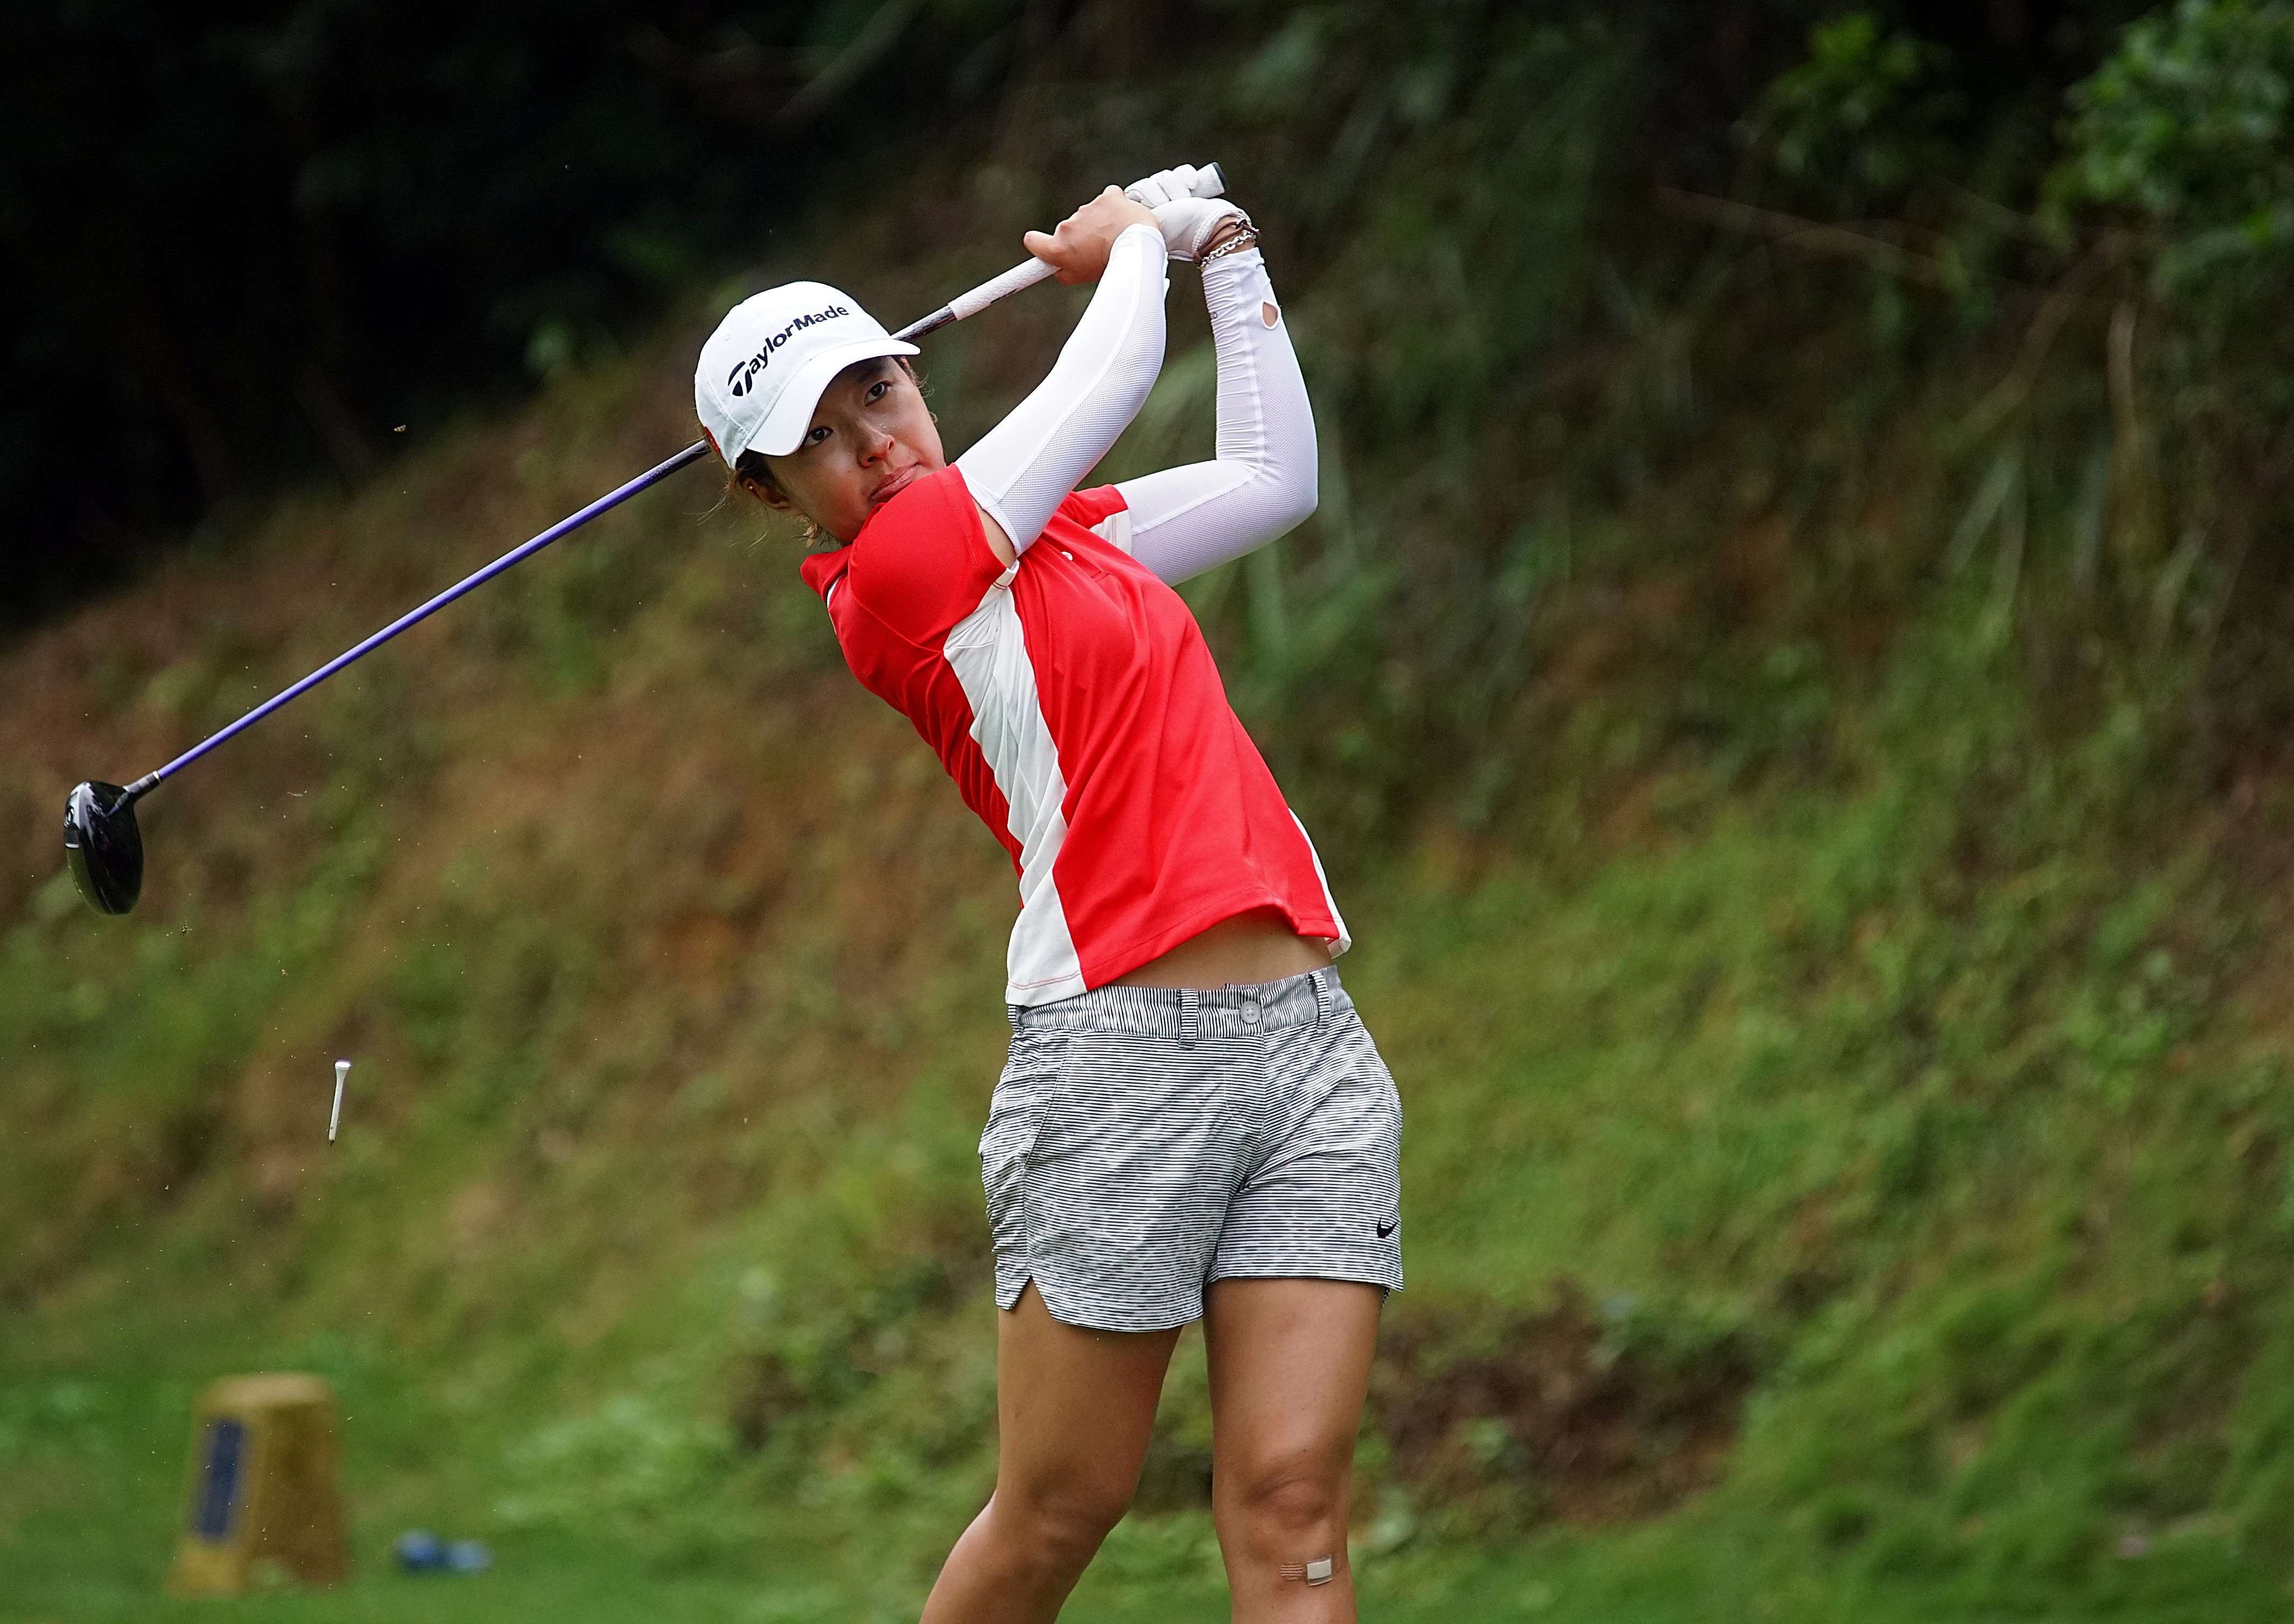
(1072, 699)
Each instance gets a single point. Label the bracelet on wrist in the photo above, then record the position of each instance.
(1235, 244)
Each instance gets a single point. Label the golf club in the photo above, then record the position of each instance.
(102, 843)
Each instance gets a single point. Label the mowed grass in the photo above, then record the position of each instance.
(90, 1531)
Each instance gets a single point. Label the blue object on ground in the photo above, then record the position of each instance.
(420, 1552)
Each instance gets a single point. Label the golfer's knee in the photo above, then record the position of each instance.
(1060, 1526)
(1291, 1506)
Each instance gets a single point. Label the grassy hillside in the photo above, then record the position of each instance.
(1838, 1004)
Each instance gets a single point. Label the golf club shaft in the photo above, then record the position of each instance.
(612, 499)
(1212, 183)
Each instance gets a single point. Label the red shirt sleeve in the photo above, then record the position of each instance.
(921, 562)
(1090, 508)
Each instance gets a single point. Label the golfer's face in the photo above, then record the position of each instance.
(870, 437)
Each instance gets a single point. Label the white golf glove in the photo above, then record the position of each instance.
(1188, 222)
(1165, 184)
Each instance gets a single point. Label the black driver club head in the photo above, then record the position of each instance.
(104, 846)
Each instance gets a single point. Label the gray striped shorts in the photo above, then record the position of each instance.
(1145, 1141)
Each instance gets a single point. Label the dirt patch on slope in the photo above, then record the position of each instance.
(1584, 1422)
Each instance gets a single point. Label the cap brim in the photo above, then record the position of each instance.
(783, 429)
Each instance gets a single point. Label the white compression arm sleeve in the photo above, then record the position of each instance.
(1184, 520)
(1024, 467)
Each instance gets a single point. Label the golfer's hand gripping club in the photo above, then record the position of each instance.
(1188, 207)
(1207, 181)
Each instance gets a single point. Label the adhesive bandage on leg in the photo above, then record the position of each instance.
(1318, 1571)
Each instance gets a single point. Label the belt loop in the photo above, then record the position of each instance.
(1187, 1016)
(1011, 1014)
(1315, 981)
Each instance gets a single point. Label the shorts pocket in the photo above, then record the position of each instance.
(1008, 1142)
(1004, 1147)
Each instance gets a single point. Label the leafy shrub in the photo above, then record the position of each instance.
(2185, 130)
(1862, 119)
(2187, 136)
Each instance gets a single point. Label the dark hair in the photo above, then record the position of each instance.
(752, 464)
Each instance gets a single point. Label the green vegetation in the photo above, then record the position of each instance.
(1789, 702)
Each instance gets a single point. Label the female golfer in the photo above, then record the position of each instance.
(1193, 1122)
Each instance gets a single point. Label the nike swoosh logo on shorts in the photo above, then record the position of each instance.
(1385, 1230)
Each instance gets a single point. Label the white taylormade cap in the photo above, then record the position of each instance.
(763, 369)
